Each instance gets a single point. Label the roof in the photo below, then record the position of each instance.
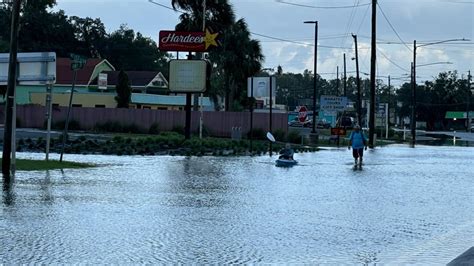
(458, 115)
(152, 99)
(64, 74)
(136, 78)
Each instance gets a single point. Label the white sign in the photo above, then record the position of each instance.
(33, 68)
(102, 81)
(261, 87)
(333, 103)
(187, 76)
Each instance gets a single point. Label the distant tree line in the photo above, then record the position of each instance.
(42, 29)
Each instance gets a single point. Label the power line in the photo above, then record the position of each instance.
(319, 7)
(390, 60)
(296, 42)
(391, 26)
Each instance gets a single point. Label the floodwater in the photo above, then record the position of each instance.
(406, 206)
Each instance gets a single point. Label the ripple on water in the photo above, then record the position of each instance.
(405, 207)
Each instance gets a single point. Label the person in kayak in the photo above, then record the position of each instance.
(287, 152)
(358, 142)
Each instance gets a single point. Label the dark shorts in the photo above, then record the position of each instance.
(358, 152)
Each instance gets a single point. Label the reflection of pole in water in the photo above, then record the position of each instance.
(8, 195)
(46, 188)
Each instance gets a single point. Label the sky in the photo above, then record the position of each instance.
(291, 42)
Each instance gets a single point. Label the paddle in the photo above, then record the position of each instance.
(270, 137)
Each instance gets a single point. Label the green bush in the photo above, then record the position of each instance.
(178, 129)
(73, 125)
(294, 137)
(258, 133)
(154, 129)
(279, 135)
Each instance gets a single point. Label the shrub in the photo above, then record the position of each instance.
(258, 133)
(154, 129)
(294, 137)
(73, 125)
(279, 135)
(178, 129)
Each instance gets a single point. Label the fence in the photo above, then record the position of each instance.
(218, 124)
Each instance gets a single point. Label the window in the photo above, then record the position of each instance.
(146, 107)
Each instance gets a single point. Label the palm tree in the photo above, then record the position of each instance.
(237, 57)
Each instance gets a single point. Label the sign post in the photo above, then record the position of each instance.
(78, 62)
(31, 69)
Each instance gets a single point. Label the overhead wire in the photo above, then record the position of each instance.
(319, 7)
(393, 28)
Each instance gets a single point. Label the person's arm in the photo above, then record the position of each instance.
(350, 141)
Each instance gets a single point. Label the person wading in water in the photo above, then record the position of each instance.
(358, 142)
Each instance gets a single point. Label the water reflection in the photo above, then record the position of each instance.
(8, 193)
(206, 210)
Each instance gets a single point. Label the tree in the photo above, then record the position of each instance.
(129, 51)
(124, 91)
(238, 56)
(91, 34)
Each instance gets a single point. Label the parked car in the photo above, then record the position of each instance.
(297, 123)
(323, 124)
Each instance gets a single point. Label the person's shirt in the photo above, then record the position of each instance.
(357, 139)
(287, 152)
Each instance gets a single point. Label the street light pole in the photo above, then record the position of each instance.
(315, 81)
(468, 101)
(359, 100)
(413, 113)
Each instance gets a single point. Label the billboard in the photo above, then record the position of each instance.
(333, 103)
(261, 87)
(187, 75)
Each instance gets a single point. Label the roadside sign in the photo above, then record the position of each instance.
(186, 41)
(188, 75)
(338, 131)
(33, 68)
(302, 114)
(261, 87)
(77, 61)
(333, 103)
(102, 81)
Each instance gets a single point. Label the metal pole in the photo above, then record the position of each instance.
(12, 79)
(359, 101)
(200, 105)
(315, 92)
(345, 78)
(68, 116)
(49, 113)
(389, 91)
(337, 81)
(413, 110)
(251, 115)
(468, 101)
(372, 75)
(271, 102)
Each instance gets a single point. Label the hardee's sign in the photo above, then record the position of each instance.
(186, 41)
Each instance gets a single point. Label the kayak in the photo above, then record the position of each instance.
(285, 162)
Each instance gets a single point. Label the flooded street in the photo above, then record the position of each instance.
(406, 206)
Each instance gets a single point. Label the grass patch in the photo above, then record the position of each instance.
(37, 165)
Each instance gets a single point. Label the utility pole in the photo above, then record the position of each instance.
(315, 95)
(359, 101)
(413, 108)
(337, 81)
(345, 78)
(388, 104)
(12, 79)
(372, 75)
(468, 100)
(203, 57)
